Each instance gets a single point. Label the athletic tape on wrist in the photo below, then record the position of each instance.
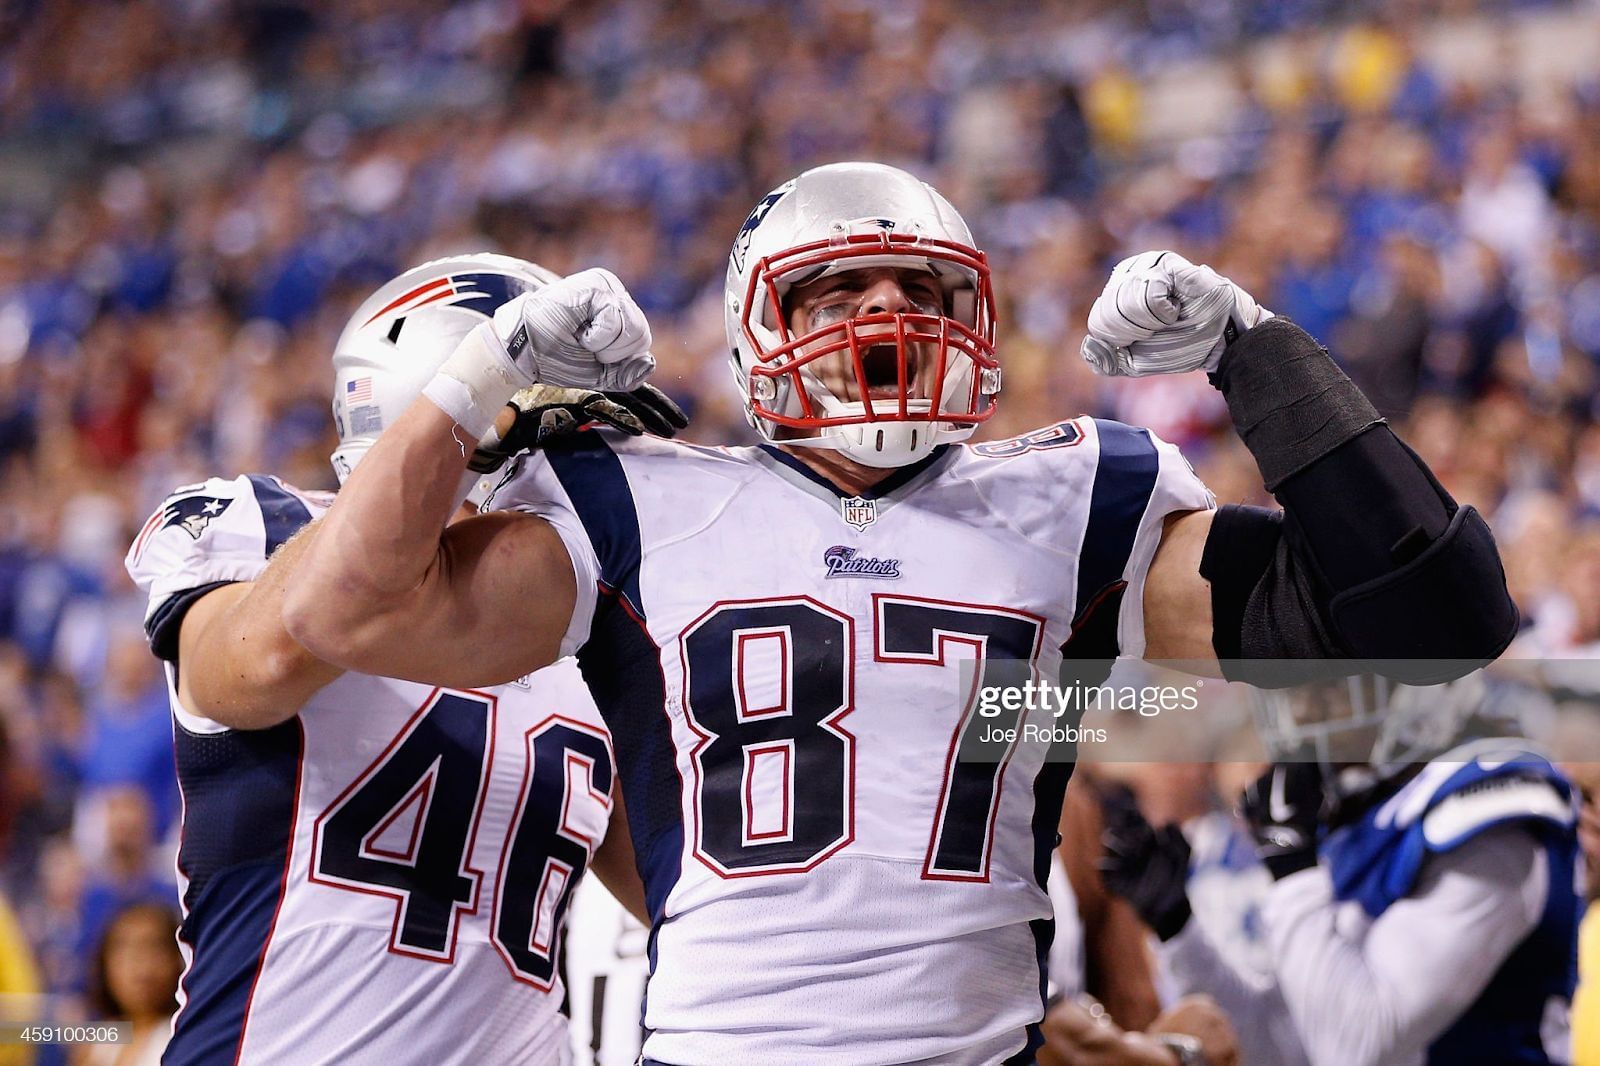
(475, 382)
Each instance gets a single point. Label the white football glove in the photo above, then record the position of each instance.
(1161, 314)
(583, 331)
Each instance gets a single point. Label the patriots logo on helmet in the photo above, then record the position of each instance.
(471, 289)
(741, 243)
(193, 514)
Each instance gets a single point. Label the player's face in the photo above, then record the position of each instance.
(869, 291)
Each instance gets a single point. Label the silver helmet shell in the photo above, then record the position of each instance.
(850, 216)
(400, 335)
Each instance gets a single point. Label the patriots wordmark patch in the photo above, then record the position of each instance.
(193, 514)
(858, 511)
(842, 561)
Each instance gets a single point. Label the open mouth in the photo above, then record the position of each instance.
(880, 364)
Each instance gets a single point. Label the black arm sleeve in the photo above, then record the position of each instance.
(1371, 558)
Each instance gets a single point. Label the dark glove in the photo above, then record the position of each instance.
(1282, 808)
(549, 412)
(1146, 866)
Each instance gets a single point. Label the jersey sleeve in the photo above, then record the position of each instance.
(532, 487)
(1177, 489)
(205, 536)
(1139, 480)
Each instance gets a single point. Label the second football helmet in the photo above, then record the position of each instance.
(401, 334)
(1385, 726)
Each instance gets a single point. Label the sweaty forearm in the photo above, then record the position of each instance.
(1076, 1037)
(381, 537)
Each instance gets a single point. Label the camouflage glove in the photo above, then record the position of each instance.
(550, 412)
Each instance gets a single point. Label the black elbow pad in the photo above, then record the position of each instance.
(1428, 620)
(1446, 611)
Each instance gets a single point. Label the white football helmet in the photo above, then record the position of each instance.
(402, 333)
(849, 216)
(1384, 725)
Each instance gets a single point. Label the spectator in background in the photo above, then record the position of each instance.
(1384, 342)
(1569, 623)
(53, 917)
(129, 738)
(135, 979)
(20, 1001)
(124, 875)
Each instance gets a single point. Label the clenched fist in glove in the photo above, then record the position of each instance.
(583, 332)
(1161, 314)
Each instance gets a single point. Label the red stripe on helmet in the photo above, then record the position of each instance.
(412, 295)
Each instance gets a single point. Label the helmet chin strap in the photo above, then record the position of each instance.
(887, 444)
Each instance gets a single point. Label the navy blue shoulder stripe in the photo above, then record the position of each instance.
(621, 663)
(593, 477)
(163, 626)
(1124, 480)
(282, 512)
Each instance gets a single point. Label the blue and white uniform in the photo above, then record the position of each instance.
(782, 668)
(1441, 928)
(382, 878)
(1223, 950)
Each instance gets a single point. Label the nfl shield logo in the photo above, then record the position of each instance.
(859, 512)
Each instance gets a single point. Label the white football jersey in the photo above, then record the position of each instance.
(382, 878)
(788, 675)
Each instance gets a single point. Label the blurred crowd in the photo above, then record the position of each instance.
(195, 193)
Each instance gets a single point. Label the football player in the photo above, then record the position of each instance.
(784, 638)
(1428, 893)
(1102, 989)
(363, 857)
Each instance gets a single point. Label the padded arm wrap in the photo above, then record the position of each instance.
(1371, 559)
(1291, 404)
(1430, 619)
(1265, 606)
(1449, 603)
